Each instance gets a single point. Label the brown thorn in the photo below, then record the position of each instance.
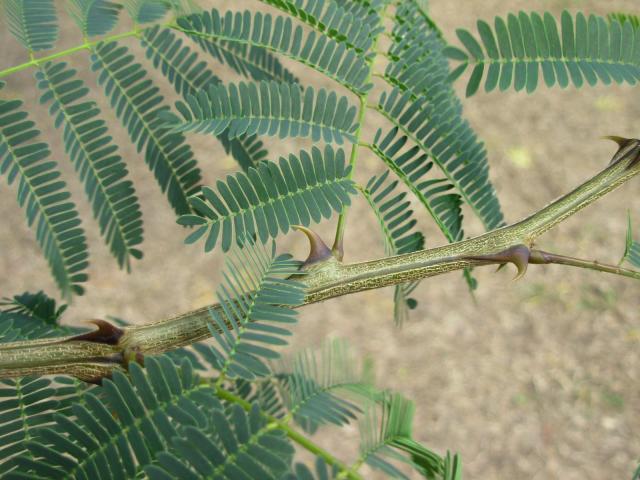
(621, 141)
(106, 333)
(626, 147)
(518, 255)
(318, 251)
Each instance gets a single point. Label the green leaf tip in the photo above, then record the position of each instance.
(581, 50)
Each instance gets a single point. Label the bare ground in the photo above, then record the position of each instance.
(534, 379)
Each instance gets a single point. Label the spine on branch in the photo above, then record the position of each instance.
(95, 355)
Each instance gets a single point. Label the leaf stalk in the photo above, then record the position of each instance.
(86, 45)
(339, 238)
(295, 436)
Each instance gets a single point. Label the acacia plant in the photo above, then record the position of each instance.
(156, 400)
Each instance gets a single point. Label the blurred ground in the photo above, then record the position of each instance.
(535, 379)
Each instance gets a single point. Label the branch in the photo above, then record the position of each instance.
(92, 356)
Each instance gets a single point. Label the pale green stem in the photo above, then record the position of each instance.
(339, 237)
(90, 360)
(545, 258)
(297, 437)
(337, 244)
(34, 62)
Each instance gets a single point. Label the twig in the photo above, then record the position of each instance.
(92, 359)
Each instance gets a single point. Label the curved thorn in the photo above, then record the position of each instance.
(318, 250)
(518, 255)
(621, 141)
(627, 147)
(106, 333)
(520, 258)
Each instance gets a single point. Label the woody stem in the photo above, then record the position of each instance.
(328, 279)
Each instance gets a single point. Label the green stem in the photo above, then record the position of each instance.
(364, 456)
(339, 238)
(90, 360)
(545, 258)
(338, 242)
(307, 444)
(34, 62)
(297, 437)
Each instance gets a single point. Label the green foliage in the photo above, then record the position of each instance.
(452, 467)
(427, 463)
(411, 166)
(634, 254)
(177, 62)
(238, 445)
(314, 387)
(271, 199)
(147, 11)
(266, 109)
(95, 157)
(164, 421)
(585, 49)
(279, 35)
(95, 17)
(32, 306)
(29, 402)
(180, 65)
(30, 316)
(632, 247)
(33, 22)
(248, 60)
(247, 151)
(138, 104)
(423, 106)
(625, 17)
(385, 433)
(248, 323)
(151, 406)
(394, 215)
(44, 197)
(336, 40)
(352, 25)
(229, 409)
(322, 471)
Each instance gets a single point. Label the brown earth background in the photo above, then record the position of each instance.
(534, 379)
